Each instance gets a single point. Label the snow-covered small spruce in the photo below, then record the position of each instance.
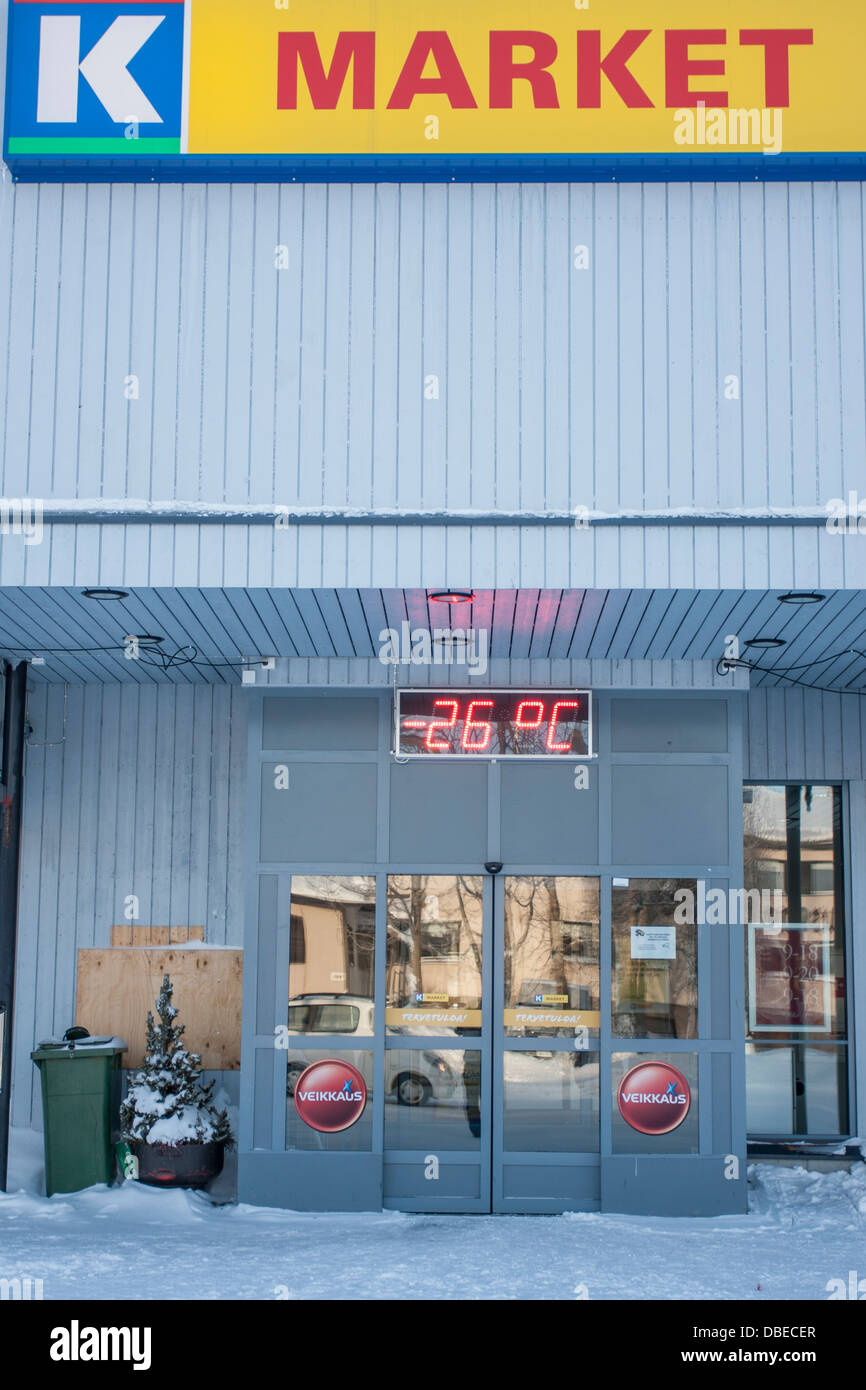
(167, 1102)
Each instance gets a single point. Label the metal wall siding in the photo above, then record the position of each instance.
(146, 797)
(557, 386)
(800, 735)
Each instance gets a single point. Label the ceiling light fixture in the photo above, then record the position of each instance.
(765, 642)
(452, 596)
(104, 595)
(801, 596)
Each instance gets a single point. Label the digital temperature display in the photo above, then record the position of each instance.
(494, 724)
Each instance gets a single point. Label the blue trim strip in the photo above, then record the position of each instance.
(409, 168)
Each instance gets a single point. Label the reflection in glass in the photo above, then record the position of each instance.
(796, 1089)
(300, 1137)
(551, 1102)
(433, 958)
(551, 956)
(655, 976)
(331, 947)
(797, 831)
(433, 1099)
(792, 842)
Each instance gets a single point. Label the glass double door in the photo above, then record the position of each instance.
(492, 1011)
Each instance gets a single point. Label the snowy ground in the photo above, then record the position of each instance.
(135, 1242)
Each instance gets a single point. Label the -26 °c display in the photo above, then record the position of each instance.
(494, 723)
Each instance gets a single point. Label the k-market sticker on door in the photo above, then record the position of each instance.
(653, 943)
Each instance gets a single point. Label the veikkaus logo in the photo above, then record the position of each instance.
(654, 1098)
(330, 1096)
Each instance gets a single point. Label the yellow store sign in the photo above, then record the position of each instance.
(390, 89)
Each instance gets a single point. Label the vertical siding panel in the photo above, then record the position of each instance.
(386, 370)
(222, 792)
(409, 401)
(142, 358)
(217, 407)
(829, 217)
(32, 820)
(655, 350)
(630, 402)
(852, 328)
(47, 347)
(198, 317)
(357, 487)
(728, 312)
(176, 367)
(606, 349)
(483, 461)
(121, 412)
(507, 308)
(11, 471)
(582, 366)
(18, 381)
(180, 805)
(234, 413)
(533, 441)
(263, 342)
(681, 360)
(337, 318)
(286, 419)
(554, 364)
(706, 383)
(753, 386)
(803, 366)
(459, 329)
(780, 404)
(434, 345)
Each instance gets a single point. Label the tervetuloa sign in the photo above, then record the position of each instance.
(385, 89)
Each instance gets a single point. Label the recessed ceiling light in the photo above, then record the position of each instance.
(147, 638)
(453, 596)
(104, 595)
(765, 642)
(801, 596)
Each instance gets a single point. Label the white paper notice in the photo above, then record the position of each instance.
(653, 943)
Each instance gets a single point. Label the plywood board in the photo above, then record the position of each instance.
(117, 986)
(129, 935)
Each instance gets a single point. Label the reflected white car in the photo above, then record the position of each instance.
(411, 1078)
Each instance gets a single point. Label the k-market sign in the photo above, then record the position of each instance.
(397, 89)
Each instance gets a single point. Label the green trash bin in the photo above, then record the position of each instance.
(81, 1083)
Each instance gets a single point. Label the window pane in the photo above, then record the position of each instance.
(551, 1102)
(796, 1090)
(655, 972)
(331, 949)
(300, 1136)
(551, 957)
(432, 1099)
(433, 956)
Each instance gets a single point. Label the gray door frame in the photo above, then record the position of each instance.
(663, 1183)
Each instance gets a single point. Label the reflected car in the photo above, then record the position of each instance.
(429, 1076)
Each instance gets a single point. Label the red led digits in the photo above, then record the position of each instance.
(441, 745)
(554, 720)
(473, 723)
(537, 705)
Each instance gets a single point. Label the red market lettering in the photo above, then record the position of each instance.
(527, 56)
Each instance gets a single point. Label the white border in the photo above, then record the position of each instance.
(776, 929)
(552, 759)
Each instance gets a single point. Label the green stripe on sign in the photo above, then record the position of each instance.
(113, 144)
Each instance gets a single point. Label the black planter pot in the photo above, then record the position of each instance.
(178, 1165)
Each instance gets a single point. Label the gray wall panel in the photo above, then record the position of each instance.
(142, 792)
(260, 384)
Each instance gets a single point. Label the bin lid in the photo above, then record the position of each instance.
(58, 1049)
